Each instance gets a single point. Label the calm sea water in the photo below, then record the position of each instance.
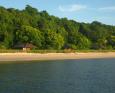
(67, 76)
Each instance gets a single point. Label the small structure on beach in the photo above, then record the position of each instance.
(24, 46)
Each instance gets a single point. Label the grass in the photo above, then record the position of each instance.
(52, 51)
(95, 51)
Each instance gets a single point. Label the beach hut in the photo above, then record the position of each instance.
(24, 46)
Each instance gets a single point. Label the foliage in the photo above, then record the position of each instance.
(28, 34)
(49, 32)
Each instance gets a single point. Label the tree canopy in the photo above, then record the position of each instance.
(49, 32)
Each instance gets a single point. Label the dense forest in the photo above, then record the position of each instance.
(49, 32)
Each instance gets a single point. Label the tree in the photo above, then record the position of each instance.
(53, 40)
(49, 32)
(83, 43)
(111, 41)
(31, 10)
(28, 34)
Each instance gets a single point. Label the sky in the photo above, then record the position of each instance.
(78, 10)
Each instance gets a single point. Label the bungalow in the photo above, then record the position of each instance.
(24, 46)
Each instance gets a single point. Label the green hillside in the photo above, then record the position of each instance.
(49, 32)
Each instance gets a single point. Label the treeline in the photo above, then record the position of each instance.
(49, 32)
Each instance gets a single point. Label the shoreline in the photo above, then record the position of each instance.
(14, 57)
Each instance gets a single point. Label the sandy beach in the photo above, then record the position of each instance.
(11, 57)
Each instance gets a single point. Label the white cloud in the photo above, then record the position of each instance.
(111, 8)
(72, 8)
